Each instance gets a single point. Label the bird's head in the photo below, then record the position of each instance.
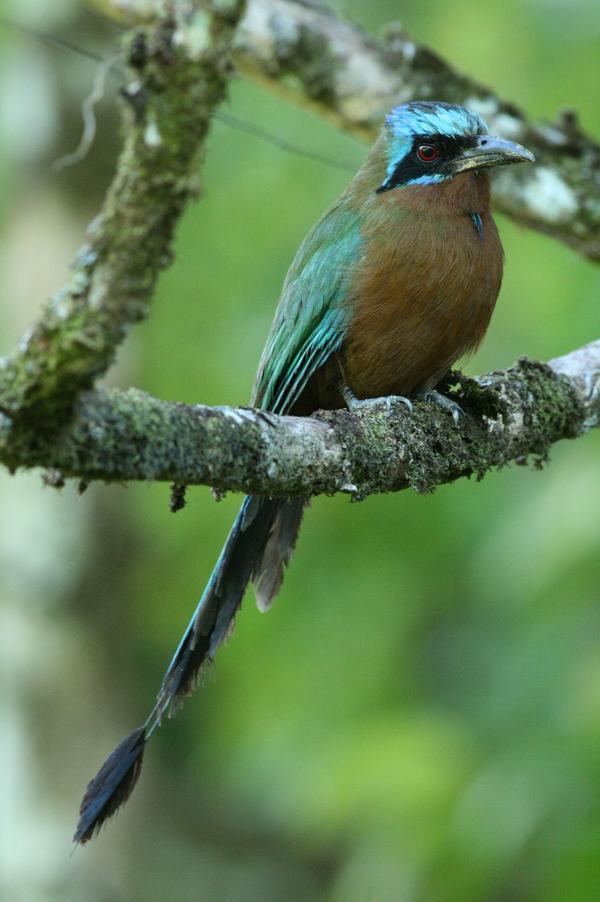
(430, 142)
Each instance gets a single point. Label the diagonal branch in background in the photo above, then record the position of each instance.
(301, 49)
(509, 416)
(314, 58)
(178, 73)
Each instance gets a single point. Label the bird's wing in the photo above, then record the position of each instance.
(312, 317)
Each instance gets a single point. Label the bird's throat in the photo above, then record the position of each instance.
(425, 287)
(464, 193)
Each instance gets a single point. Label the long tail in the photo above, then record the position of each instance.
(257, 549)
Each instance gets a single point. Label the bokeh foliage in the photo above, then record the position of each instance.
(418, 718)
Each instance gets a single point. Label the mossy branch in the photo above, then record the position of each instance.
(179, 67)
(178, 72)
(509, 416)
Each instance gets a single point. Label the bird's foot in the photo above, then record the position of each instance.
(355, 404)
(444, 402)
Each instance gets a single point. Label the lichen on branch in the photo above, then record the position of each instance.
(511, 415)
(177, 73)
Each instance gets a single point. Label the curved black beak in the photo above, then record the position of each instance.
(491, 151)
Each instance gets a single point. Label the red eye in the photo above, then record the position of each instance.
(427, 153)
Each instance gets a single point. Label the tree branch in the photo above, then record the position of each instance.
(48, 416)
(510, 415)
(302, 50)
(178, 73)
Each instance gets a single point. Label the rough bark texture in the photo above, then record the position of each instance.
(178, 73)
(511, 415)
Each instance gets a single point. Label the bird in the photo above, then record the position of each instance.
(394, 283)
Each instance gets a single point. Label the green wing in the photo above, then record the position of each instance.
(312, 318)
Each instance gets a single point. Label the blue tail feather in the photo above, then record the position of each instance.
(220, 600)
(258, 546)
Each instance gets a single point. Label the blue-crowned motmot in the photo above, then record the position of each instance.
(395, 282)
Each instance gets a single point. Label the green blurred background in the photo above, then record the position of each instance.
(418, 718)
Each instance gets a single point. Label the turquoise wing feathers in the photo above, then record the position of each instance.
(313, 316)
